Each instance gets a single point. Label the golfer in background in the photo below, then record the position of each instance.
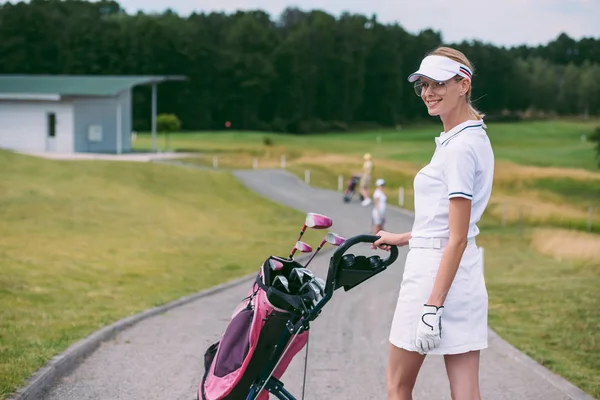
(379, 203)
(442, 306)
(365, 179)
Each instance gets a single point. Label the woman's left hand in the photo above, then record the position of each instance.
(429, 332)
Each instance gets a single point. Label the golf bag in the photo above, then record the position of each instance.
(234, 362)
(271, 325)
(351, 188)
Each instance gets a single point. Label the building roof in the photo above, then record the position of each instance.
(75, 85)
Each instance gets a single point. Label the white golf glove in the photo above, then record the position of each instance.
(429, 332)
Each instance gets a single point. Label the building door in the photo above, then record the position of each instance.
(51, 132)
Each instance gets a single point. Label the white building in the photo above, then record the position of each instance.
(66, 113)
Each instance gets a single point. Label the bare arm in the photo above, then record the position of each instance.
(459, 217)
(388, 238)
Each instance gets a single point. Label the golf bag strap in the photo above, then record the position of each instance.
(294, 301)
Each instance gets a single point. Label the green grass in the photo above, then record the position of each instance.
(83, 244)
(546, 308)
(581, 192)
(547, 143)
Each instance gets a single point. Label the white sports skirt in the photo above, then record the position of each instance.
(464, 320)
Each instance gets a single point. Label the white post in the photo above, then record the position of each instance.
(589, 221)
(283, 161)
(255, 163)
(401, 196)
(119, 128)
(340, 183)
(307, 177)
(215, 162)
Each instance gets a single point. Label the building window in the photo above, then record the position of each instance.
(51, 124)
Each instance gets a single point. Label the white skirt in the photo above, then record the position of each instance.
(464, 321)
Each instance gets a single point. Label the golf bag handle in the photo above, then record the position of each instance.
(339, 252)
(353, 278)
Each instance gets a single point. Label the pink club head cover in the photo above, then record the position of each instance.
(334, 239)
(275, 265)
(303, 247)
(318, 221)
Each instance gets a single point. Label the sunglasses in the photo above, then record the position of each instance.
(438, 88)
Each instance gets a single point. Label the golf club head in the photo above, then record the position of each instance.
(321, 284)
(318, 221)
(297, 278)
(303, 247)
(311, 293)
(334, 239)
(315, 288)
(275, 265)
(281, 283)
(300, 246)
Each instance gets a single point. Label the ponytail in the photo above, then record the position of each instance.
(476, 114)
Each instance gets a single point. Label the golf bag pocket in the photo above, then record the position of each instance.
(236, 340)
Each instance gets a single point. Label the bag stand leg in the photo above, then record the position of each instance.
(275, 386)
(305, 363)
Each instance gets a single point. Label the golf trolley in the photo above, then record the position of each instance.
(351, 189)
(271, 325)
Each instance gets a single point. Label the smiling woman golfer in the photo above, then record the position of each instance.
(442, 306)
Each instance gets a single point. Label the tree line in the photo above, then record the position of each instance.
(303, 71)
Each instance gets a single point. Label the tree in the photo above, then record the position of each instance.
(167, 123)
(589, 89)
(595, 138)
(304, 71)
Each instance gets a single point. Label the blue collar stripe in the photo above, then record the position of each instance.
(466, 127)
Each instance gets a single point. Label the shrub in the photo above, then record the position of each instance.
(167, 123)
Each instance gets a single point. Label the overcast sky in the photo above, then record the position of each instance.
(501, 22)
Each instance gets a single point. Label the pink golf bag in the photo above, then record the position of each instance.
(233, 363)
(271, 325)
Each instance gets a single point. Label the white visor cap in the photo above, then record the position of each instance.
(440, 69)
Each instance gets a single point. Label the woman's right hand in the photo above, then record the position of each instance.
(388, 239)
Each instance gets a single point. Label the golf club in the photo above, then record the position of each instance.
(281, 283)
(332, 238)
(314, 221)
(298, 277)
(275, 265)
(321, 284)
(302, 247)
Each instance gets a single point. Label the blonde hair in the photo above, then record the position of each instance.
(458, 56)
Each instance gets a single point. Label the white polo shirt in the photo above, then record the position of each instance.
(462, 166)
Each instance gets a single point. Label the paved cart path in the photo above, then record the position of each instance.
(161, 357)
